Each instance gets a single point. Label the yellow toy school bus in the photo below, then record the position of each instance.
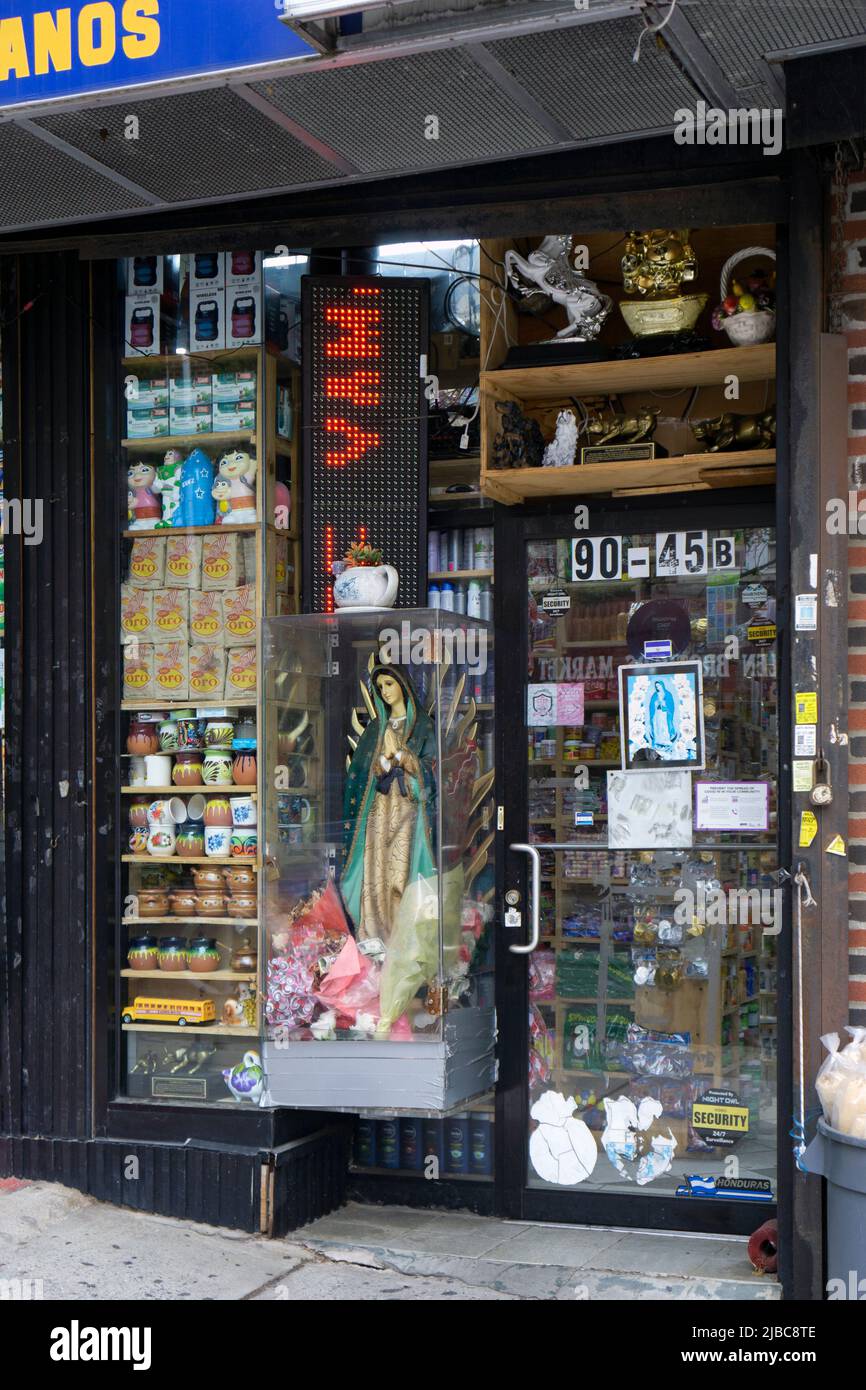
(180, 1011)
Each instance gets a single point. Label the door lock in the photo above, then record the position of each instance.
(512, 897)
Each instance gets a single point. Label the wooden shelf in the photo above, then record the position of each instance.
(685, 369)
(244, 526)
(189, 859)
(187, 975)
(181, 791)
(157, 704)
(460, 574)
(205, 922)
(691, 471)
(177, 359)
(209, 440)
(221, 1029)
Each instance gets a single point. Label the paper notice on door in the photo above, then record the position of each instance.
(805, 740)
(808, 828)
(554, 703)
(732, 806)
(802, 775)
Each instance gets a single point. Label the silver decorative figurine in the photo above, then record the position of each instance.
(549, 269)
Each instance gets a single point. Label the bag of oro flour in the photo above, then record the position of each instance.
(207, 672)
(239, 615)
(206, 617)
(220, 561)
(136, 614)
(147, 563)
(183, 562)
(138, 671)
(171, 615)
(171, 670)
(240, 673)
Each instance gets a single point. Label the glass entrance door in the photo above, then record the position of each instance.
(649, 772)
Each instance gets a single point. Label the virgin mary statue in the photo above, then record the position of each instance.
(389, 806)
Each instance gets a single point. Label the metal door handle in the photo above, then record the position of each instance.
(534, 899)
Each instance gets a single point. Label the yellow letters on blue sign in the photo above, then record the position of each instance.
(54, 43)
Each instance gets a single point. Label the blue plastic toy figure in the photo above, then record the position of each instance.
(196, 482)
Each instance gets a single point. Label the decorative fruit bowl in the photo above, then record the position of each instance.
(747, 311)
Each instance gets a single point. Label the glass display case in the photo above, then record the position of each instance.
(378, 835)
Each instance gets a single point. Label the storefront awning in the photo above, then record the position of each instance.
(422, 87)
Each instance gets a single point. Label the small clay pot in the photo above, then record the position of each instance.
(239, 879)
(187, 769)
(217, 769)
(173, 954)
(204, 958)
(242, 905)
(190, 839)
(218, 733)
(210, 904)
(152, 902)
(244, 959)
(245, 769)
(218, 811)
(208, 880)
(143, 953)
(142, 738)
(184, 903)
(138, 814)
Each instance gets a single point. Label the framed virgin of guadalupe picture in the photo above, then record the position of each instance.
(661, 716)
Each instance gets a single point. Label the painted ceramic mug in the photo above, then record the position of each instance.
(218, 811)
(244, 812)
(168, 736)
(161, 841)
(244, 844)
(138, 814)
(138, 840)
(218, 733)
(190, 733)
(190, 839)
(217, 841)
(217, 769)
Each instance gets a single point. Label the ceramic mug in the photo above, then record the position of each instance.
(301, 810)
(195, 807)
(218, 733)
(190, 734)
(244, 844)
(190, 839)
(137, 772)
(218, 811)
(138, 814)
(217, 769)
(217, 841)
(138, 840)
(161, 841)
(168, 736)
(168, 812)
(157, 770)
(244, 812)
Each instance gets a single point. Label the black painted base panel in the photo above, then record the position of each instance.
(446, 1194)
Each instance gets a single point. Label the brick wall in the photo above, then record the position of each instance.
(854, 324)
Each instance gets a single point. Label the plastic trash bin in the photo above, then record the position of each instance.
(842, 1161)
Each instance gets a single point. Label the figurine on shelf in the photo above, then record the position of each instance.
(603, 425)
(656, 263)
(238, 470)
(549, 268)
(519, 443)
(246, 1081)
(196, 483)
(729, 432)
(389, 805)
(167, 484)
(560, 452)
(144, 508)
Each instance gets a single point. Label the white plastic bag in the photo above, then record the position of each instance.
(841, 1083)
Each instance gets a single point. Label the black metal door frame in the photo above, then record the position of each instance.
(514, 527)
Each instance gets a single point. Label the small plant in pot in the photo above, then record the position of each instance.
(364, 581)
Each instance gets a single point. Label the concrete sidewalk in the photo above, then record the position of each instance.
(77, 1249)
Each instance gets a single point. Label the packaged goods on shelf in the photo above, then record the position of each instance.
(233, 417)
(243, 268)
(182, 561)
(206, 271)
(207, 671)
(171, 615)
(145, 276)
(136, 614)
(206, 617)
(149, 392)
(141, 327)
(240, 623)
(171, 670)
(583, 1050)
(244, 315)
(138, 668)
(241, 679)
(190, 419)
(207, 319)
(194, 389)
(577, 976)
(229, 387)
(147, 562)
(147, 422)
(221, 560)
(248, 555)
(282, 565)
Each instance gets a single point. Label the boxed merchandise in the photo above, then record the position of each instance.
(206, 618)
(207, 270)
(141, 330)
(171, 670)
(243, 268)
(221, 560)
(136, 614)
(239, 615)
(147, 562)
(207, 671)
(190, 390)
(147, 392)
(233, 386)
(244, 315)
(171, 615)
(138, 671)
(183, 561)
(248, 550)
(146, 422)
(240, 673)
(230, 417)
(145, 275)
(207, 319)
(190, 419)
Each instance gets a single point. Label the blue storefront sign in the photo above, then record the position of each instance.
(49, 51)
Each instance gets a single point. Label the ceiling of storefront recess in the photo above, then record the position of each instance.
(505, 78)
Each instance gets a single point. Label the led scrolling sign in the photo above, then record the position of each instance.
(365, 464)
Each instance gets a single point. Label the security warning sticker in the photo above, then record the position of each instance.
(808, 828)
(836, 846)
(806, 707)
(719, 1118)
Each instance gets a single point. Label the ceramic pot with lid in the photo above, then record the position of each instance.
(183, 902)
(208, 880)
(241, 905)
(210, 904)
(152, 902)
(240, 878)
(244, 958)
